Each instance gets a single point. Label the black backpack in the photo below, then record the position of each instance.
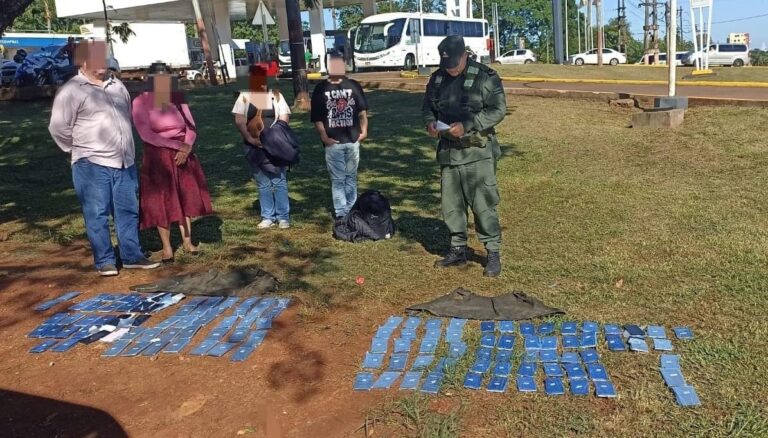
(369, 219)
(280, 144)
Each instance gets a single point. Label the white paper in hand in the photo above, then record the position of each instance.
(440, 126)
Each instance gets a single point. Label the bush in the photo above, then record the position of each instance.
(759, 57)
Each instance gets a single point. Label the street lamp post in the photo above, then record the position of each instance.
(106, 27)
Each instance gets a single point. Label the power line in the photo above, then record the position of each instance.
(741, 19)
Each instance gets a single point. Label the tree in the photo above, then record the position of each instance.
(759, 57)
(350, 16)
(191, 30)
(298, 63)
(34, 15)
(122, 31)
(10, 11)
(245, 30)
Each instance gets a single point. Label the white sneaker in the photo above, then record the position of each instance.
(283, 224)
(266, 223)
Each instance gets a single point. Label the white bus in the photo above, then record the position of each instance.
(389, 40)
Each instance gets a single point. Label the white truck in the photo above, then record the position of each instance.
(156, 41)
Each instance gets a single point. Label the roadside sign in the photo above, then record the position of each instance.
(262, 16)
(701, 3)
(701, 12)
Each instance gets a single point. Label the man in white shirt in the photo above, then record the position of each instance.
(91, 120)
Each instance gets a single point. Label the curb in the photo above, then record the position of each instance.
(601, 96)
(737, 84)
(638, 82)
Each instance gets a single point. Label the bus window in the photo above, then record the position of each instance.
(434, 28)
(413, 24)
(375, 37)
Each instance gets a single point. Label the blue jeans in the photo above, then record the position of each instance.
(273, 195)
(105, 191)
(342, 160)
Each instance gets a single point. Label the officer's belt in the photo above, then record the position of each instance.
(448, 142)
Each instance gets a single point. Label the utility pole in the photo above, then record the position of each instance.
(622, 21)
(672, 45)
(651, 30)
(590, 28)
(646, 30)
(656, 30)
(680, 36)
(578, 24)
(557, 29)
(106, 27)
(567, 52)
(600, 39)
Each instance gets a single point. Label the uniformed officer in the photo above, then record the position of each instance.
(463, 103)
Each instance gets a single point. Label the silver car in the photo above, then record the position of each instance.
(736, 55)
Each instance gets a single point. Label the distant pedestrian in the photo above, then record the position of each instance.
(340, 114)
(463, 103)
(91, 120)
(70, 49)
(173, 187)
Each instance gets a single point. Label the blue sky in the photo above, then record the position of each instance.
(724, 10)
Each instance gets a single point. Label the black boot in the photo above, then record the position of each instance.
(456, 256)
(493, 265)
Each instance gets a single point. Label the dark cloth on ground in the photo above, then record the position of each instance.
(235, 283)
(461, 303)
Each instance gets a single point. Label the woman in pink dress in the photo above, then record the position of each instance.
(172, 184)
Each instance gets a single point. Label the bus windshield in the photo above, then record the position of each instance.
(375, 37)
(285, 48)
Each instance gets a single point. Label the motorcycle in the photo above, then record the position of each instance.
(33, 71)
(49, 66)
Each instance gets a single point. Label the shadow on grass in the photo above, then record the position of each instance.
(206, 230)
(398, 159)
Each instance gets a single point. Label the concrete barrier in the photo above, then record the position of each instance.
(656, 119)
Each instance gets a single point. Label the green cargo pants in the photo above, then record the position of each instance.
(471, 185)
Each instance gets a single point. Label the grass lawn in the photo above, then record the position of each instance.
(630, 72)
(608, 223)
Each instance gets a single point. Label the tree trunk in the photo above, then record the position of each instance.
(298, 64)
(204, 42)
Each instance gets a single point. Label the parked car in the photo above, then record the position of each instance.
(610, 56)
(520, 56)
(8, 72)
(736, 55)
(200, 72)
(663, 58)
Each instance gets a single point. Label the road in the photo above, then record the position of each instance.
(719, 92)
(652, 90)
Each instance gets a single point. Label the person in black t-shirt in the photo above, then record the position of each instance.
(339, 112)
